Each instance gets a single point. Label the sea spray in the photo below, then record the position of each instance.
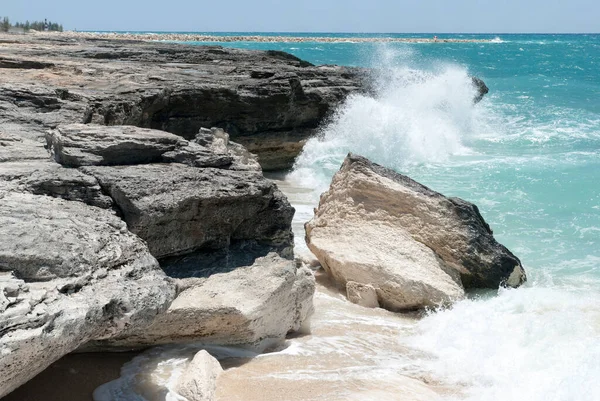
(535, 344)
(415, 116)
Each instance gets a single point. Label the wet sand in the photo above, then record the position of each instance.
(352, 353)
(72, 378)
(182, 37)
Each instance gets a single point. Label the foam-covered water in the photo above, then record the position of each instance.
(529, 156)
(418, 116)
(537, 343)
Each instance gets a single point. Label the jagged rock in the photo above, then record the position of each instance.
(481, 89)
(256, 304)
(217, 140)
(178, 209)
(69, 273)
(48, 178)
(415, 246)
(268, 101)
(199, 380)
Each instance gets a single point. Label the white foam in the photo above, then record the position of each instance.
(416, 117)
(527, 344)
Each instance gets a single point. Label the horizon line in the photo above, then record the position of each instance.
(340, 32)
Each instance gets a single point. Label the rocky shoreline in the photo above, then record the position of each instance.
(134, 212)
(191, 37)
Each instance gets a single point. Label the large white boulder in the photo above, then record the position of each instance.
(416, 247)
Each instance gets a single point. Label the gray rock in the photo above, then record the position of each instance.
(48, 178)
(76, 145)
(16, 148)
(178, 209)
(69, 273)
(481, 89)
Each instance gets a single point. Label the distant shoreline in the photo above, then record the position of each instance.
(190, 37)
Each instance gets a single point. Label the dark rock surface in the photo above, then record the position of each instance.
(178, 209)
(174, 88)
(481, 87)
(268, 101)
(209, 197)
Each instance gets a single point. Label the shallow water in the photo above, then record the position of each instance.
(529, 156)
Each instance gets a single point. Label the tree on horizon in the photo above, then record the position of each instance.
(5, 25)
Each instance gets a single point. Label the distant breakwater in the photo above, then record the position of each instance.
(181, 37)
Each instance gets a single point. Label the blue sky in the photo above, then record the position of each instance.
(498, 16)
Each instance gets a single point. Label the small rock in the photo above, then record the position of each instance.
(199, 380)
(362, 294)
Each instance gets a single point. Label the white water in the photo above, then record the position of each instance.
(418, 117)
(536, 343)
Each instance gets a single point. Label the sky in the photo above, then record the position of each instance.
(432, 16)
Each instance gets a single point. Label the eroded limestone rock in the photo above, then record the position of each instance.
(417, 247)
(69, 273)
(199, 380)
(251, 305)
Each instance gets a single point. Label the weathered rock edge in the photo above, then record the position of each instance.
(254, 305)
(371, 213)
(69, 273)
(269, 101)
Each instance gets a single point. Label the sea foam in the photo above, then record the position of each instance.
(415, 116)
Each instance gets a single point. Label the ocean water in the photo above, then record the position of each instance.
(529, 156)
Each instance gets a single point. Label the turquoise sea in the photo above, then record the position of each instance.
(528, 155)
